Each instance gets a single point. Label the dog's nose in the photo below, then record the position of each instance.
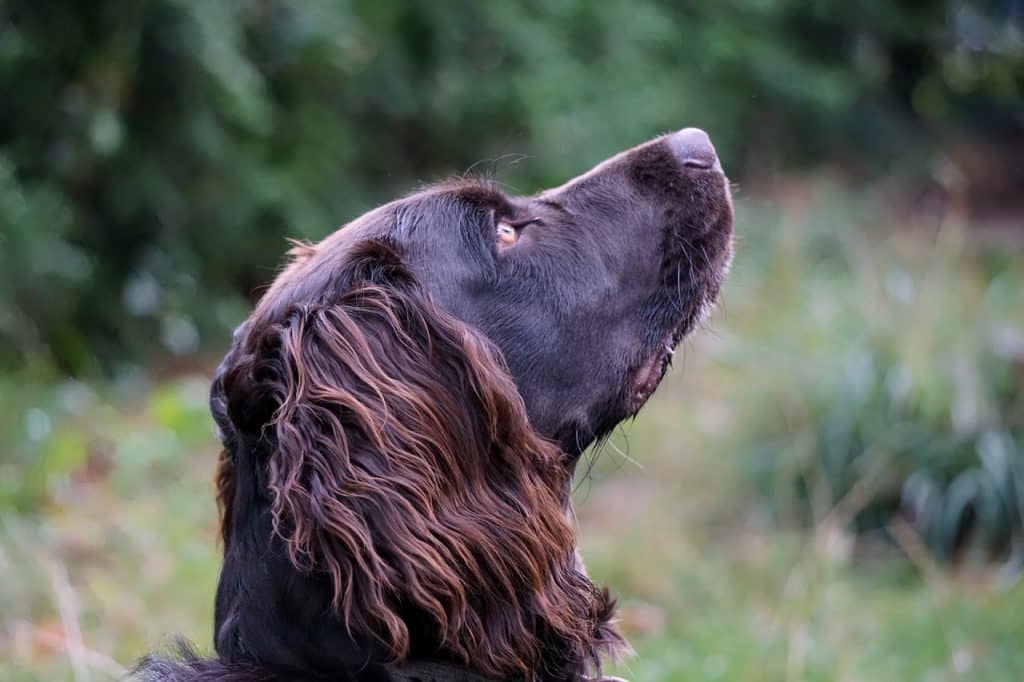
(693, 148)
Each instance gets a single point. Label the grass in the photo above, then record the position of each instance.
(108, 536)
(711, 589)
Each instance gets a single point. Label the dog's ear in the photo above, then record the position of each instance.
(227, 433)
(400, 464)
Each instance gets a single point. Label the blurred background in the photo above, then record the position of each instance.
(828, 486)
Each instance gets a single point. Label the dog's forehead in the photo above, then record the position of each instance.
(411, 222)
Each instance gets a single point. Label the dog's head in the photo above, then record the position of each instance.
(585, 289)
(417, 385)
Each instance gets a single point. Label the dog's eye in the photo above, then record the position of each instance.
(507, 235)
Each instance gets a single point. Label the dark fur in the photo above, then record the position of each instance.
(402, 412)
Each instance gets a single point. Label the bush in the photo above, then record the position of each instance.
(156, 154)
(891, 385)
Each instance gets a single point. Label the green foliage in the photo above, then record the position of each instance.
(62, 434)
(157, 153)
(108, 526)
(897, 395)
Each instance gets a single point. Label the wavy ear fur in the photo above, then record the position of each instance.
(403, 468)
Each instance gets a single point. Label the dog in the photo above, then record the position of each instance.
(403, 410)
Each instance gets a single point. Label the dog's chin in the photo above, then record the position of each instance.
(648, 375)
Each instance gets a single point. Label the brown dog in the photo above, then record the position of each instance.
(402, 412)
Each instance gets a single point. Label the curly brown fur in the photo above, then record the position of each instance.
(405, 469)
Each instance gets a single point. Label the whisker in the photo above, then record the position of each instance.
(677, 305)
(514, 156)
(707, 259)
(687, 247)
(587, 476)
(625, 455)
